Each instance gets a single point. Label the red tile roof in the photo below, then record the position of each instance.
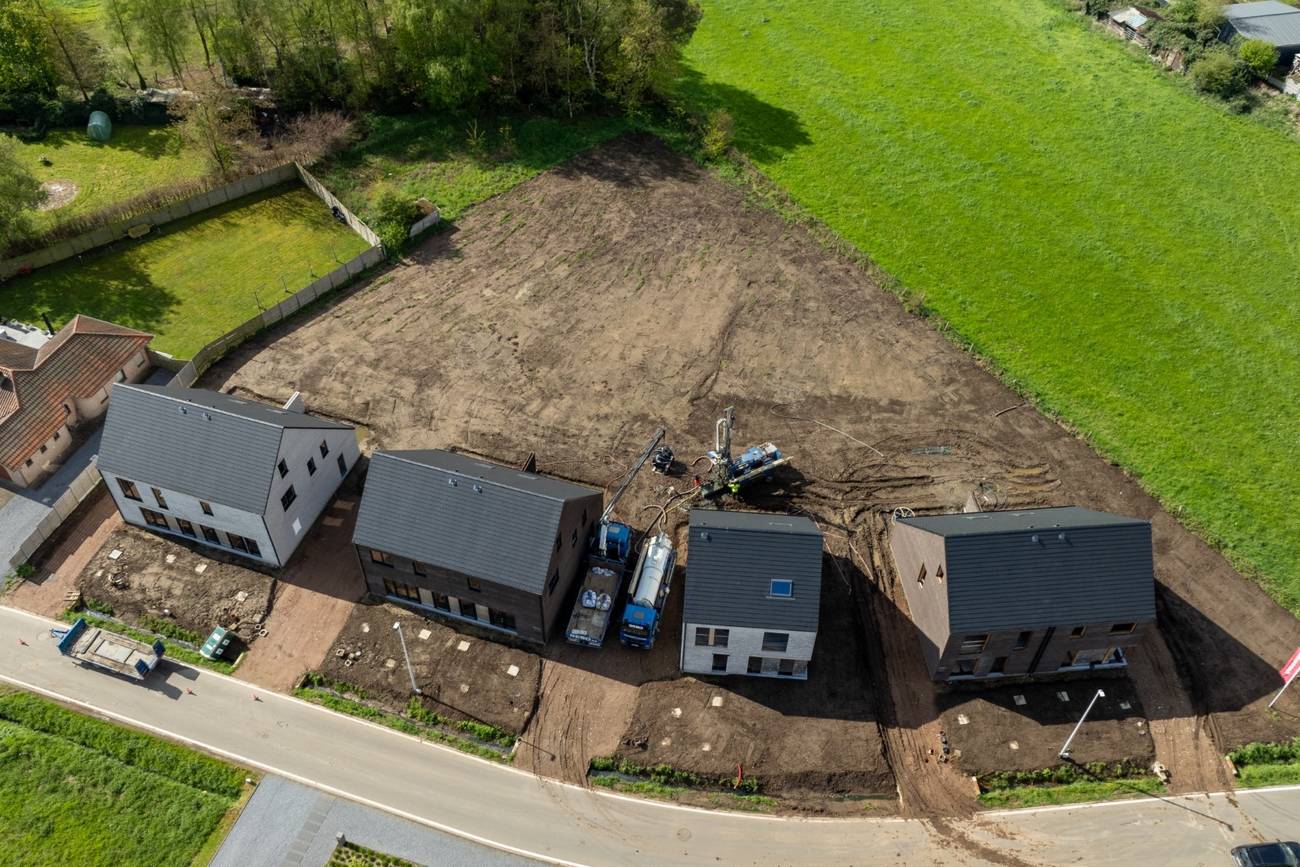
(72, 365)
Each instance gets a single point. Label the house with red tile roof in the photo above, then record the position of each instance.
(49, 391)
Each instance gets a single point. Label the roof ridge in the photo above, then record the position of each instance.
(162, 390)
(397, 455)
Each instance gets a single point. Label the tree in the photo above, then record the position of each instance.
(218, 123)
(161, 25)
(116, 12)
(1219, 73)
(28, 71)
(20, 192)
(1260, 57)
(80, 60)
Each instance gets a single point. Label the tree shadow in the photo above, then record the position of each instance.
(763, 131)
(153, 142)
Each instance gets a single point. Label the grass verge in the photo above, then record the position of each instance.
(197, 278)
(80, 791)
(987, 188)
(663, 792)
(1071, 793)
(477, 739)
(176, 651)
(1263, 764)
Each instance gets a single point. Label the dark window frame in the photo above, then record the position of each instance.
(182, 523)
(474, 584)
(719, 663)
(1023, 639)
(288, 497)
(206, 507)
(419, 568)
(209, 535)
(311, 466)
(1123, 628)
(776, 642)
(382, 558)
(157, 520)
(283, 468)
(343, 465)
(129, 489)
(401, 590)
(324, 449)
(159, 498)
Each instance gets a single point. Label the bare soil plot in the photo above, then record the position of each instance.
(157, 577)
(628, 289)
(463, 676)
(60, 561)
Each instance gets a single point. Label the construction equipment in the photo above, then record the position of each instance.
(102, 649)
(727, 474)
(643, 614)
(609, 554)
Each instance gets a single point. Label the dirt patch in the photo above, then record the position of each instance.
(57, 194)
(629, 289)
(60, 560)
(820, 735)
(314, 598)
(995, 720)
(155, 577)
(463, 675)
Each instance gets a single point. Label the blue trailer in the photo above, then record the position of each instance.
(643, 614)
(91, 645)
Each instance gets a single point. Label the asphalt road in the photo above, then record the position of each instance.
(546, 820)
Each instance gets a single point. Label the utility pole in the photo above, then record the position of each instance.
(410, 671)
(1065, 750)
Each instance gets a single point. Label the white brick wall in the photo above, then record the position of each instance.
(743, 643)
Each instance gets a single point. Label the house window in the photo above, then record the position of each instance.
(311, 466)
(1078, 632)
(573, 539)
(158, 495)
(382, 558)
(283, 468)
(210, 535)
(288, 497)
(252, 548)
(29, 463)
(706, 636)
(920, 576)
(785, 668)
(776, 641)
(938, 573)
(999, 665)
(206, 507)
(419, 568)
(343, 466)
(553, 583)
(441, 601)
(129, 489)
(780, 588)
(237, 542)
(719, 663)
(1022, 640)
(469, 610)
(43, 449)
(56, 436)
(501, 619)
(973, 643)
(185, 527)
(755, 665)
(120, 376)
(964, 667)
(324, 449)
(584, 517)
(474, 584)
(1122, 628)
(154, 519)
(403, 591)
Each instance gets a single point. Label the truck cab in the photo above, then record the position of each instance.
(643, 614)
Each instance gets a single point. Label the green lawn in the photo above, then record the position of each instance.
(431, 156)
(1125, 250)
(1071, 793)
(197, 278)
(135, 160)
(80, 791)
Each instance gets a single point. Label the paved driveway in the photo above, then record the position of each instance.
(288, 824)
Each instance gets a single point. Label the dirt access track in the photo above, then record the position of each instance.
(630, 288)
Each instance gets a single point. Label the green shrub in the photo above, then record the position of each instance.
(1220, 74)
(96, 605)
(167, 628)
(25, 570)
(1062, 774)
(1258, 56)
(667, 775)
(394, 212)
(718, 133)
(1266, 754)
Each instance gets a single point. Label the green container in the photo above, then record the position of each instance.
(100, 127)
(216, 644)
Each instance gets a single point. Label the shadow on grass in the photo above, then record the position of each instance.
(763, 131)
(147, 141)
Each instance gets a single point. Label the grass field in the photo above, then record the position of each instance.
(1124, 249)
(135, 160)
(80, 791)
(198, 277)
(432, 156)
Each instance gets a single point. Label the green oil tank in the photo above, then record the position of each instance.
(100, 127)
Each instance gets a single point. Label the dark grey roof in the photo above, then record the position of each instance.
(1274, 22)
(732, 557)
(1043, 567)
(495, 523)
(212, 446)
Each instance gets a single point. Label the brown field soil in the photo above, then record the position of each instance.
(628, 289)
(470, 683)
(143, 583)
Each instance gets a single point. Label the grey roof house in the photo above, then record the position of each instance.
(454, 536)
(1028, 592)
(1272, 21)
(752, 594)
(240, 475)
